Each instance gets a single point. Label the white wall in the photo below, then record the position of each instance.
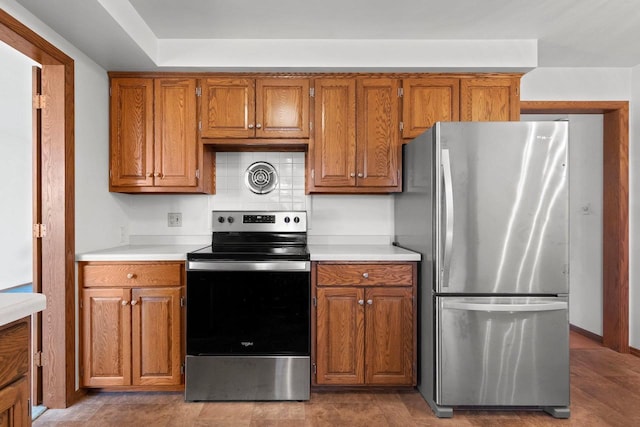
(15, 168)
(601, 84)
(99, 214)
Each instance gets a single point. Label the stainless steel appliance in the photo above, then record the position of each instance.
(486, 204)
(248, 309)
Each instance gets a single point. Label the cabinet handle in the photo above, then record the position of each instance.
(365, 275)
(250, 125)
(369, 301)
(131, 276)
(361, 302)
(135, 301)
(258, 126)
(360, 175)
(124, 302)
(352, 174)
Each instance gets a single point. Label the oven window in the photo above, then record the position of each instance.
(256, 313)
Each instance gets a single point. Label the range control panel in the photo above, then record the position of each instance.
(275, 221)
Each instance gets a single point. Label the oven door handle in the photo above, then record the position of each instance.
(249, 266)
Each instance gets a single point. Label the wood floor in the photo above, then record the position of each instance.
(605, 391)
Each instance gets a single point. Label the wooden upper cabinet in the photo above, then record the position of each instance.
(429, 100)
(334, 151)
(490, 99)
(356, 137)
(176, 143)
(132, 132)
(154, 141)
(254, 108)
(378, 136)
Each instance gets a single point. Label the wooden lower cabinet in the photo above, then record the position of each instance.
(365, 332)
(14, 374)
(131, 335)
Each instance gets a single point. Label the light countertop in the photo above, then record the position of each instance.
(361, 253)
(14, 306)
(318, 253)
(140, 253)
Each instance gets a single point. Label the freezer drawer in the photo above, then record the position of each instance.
(502, 351)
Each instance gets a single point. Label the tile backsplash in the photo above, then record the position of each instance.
(233, 194)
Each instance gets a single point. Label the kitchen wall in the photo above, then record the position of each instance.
(15, 168)
(332, 218)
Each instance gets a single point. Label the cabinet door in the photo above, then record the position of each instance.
(228, 108)
(156, 349)
(429, 100)
(334, 148)
(14, 404)
(490, 99)
(340, 336)
(282, 108)
(176, 148)
(378, 109)
(389, 339)
(106, 337)
(131, 132)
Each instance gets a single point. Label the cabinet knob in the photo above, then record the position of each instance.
(250, 126)
(360, 175)
(352, 174)
(135, 301)
(150, 174)
(258, 126)
(361, 302)
(131, 276)
(369, 301)
(124, 302)
(365, 275)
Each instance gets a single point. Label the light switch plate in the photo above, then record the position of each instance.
(174, 219)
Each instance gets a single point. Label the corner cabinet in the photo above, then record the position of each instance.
(356, 145)
(365, 324)
(154, 141)
(254, 108)
(131, 323)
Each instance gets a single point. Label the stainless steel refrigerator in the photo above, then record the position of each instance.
(486, 204)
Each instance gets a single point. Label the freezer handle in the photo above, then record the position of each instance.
(448, 202)
(475, 306)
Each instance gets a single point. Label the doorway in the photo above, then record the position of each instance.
(57, 206)
(615, 213)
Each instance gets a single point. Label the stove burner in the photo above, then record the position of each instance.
(261, 178)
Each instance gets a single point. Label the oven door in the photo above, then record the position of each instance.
(248, 308)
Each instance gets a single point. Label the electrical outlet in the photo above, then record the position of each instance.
(174, 219)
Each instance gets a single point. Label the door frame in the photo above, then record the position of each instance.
(57, 204)
(615, 198)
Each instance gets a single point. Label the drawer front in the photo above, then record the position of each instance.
(365, 274)
(131, 274)
(14, 351)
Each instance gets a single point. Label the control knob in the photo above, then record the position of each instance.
(296, 220)
(220, 219)
(287, 220)
(230, 219)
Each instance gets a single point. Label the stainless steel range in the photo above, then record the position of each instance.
(248, 309)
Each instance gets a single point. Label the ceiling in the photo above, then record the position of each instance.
(399, 34)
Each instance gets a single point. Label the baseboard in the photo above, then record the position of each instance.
(585, 333)
(634, 351)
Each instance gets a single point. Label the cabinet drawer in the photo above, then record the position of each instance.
(131, 274)
(365, 274)
(14, 351)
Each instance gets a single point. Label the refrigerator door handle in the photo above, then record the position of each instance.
(474, 306)
(448, 237)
